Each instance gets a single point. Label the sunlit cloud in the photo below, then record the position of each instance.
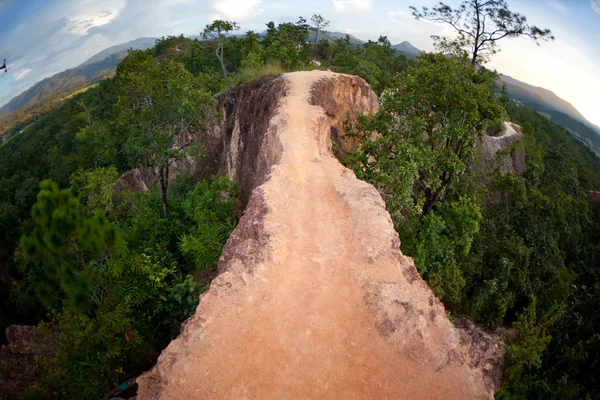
(92, 16)
(238, 10)
(22, 73)
(352, 5)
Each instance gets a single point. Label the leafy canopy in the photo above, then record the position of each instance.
(426, 129)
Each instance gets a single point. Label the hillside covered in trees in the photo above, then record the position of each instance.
(109, 274)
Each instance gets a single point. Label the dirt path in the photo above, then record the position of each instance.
(335, 312)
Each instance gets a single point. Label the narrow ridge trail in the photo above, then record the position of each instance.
(333, 310)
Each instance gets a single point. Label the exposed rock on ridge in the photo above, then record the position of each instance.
(314, 298)
(508, 141)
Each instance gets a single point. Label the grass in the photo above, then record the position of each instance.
(247, 75)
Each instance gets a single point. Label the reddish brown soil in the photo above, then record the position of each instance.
(316, 301)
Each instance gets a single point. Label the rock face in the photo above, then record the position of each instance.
(593, 197)
(508, 140)
(22, 360)
(314, 298)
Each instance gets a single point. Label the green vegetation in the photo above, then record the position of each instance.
(116, 272)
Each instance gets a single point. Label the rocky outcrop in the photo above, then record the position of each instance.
(593, 197)
(343, 99)
(314, 298)
(503, 150)
(139, 180)
(22, 359)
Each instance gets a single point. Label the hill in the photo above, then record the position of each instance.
(45, 94)
(560, 111)
(406, 47)
(137, 44)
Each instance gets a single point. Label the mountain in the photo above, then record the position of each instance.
(137, 44)
(406, 47)
(560, 111)
(40, 97)
(95, 68)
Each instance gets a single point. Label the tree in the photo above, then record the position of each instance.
(444, 243)
(318, 25)
(218, 30)
(67, 247)
(166, 109)
(427, 125)
(287, 44)
(480, 24)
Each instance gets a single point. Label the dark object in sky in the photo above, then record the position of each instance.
(4, 66)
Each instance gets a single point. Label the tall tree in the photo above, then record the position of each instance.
(65, 247)
(318, 25)
(218, 30)
(166, 109)
(479, 24)
(427, 126)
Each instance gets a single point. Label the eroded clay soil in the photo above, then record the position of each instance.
(315, 300)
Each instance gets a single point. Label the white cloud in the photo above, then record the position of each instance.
(396, 16)
(238, 10)
(352, 5)
(22, 73)
(402, 17)
(595, 5)
(94, 15)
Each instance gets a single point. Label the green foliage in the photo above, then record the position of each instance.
(253, 72)
(443, 246)
(165, 108)
(287, 44)
(426, 128)
(527, 350)
(66, 246)
(214, 209)
(376, 62)
(117, 278)
(95, 187)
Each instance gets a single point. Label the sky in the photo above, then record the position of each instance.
(40, 38)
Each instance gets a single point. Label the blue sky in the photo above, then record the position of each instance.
(43, 37)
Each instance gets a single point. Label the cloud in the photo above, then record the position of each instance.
(22, 73)
(399, 16)
(81, 24)
(352, 5)
(558, 6)
(595, 6)
(238, 10)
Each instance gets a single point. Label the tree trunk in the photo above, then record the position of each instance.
(220, 57)
(163, 176)
(477, 35)
(432, 200)
(474, 59)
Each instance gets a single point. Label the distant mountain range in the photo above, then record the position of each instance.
(137, 44)
(560, 111)
(39, 98)
(406, 47)
(96, 68)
